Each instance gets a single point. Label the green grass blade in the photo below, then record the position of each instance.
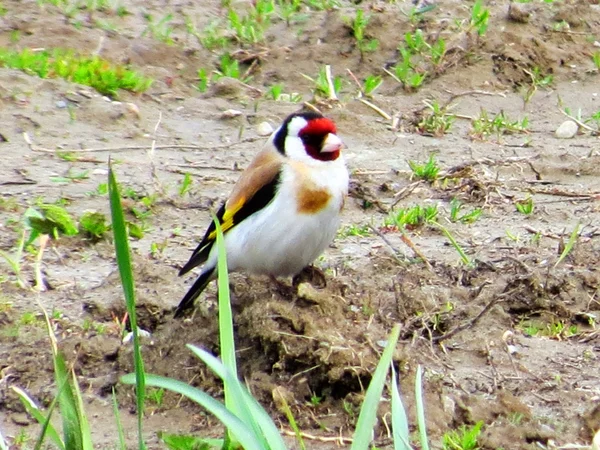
(291, 419)
(237, 391)
(463, 256)
(68, 405)
(368, 412)
(570, 244)
(120, 432)
(124, 263)
(34, 410)
(420, 409)
(399, 420)
(225, 315)
(239, 429)
(47, 426)
(84, 425)
(256, 411)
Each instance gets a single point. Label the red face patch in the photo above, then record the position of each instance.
(319, 127)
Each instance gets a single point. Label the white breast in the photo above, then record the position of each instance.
(280, 241)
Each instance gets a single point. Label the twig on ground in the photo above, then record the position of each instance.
(35, 148)
(360, 90)
(392, 75)
(395, 252)
(578, 122)
(339, 439)
(405, 192)
(330, 86)
(415, 250)
(312, 107)
(154, 173)
(376, 108)
(471, 323)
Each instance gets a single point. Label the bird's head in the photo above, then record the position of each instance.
(308, 136)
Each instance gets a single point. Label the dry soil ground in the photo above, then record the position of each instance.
(528, 367)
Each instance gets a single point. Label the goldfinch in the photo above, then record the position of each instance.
(283, 211)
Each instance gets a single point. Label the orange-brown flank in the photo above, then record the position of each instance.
(311, 201)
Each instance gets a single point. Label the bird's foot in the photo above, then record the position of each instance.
(282, 288)
(310, 274)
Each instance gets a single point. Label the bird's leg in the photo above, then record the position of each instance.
(284, 289)
(312, 275)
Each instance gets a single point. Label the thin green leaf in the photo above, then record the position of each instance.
(399, 420)
(420, 409)
(257, 412)
(84, 425)
(120, 432)
(124, 263)
(236, 390)
(68, 405)
(368, 412)
(292, 420)
(37, 414)
(186, 442)
(570, 244)
(47, 425)
(238, 428)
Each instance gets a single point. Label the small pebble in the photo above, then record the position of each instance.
(567, 130)
(264, 129)
(230, 114)
(20, 419)
(61, 104)
(518, 13)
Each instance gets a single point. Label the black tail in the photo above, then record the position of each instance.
(187, 302)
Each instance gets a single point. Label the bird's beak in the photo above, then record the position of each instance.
(332, 144)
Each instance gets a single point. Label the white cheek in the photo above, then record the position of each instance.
(294, 149)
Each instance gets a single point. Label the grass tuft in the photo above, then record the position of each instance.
(93, 71)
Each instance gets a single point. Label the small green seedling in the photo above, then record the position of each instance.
(70, 176)
(14, 261)
(596, 60)
(213, 37)
(203, 80)
(428, 171)
(275, 92)
(468, 217)
(49, 219)
(93, 225)
(354, 230)
(413, 217)
(480, 17)
(358, 26)
(484, 126)
(324, 85)
(90, 71)
(437, 121)
(570, 244)
(160, 30)
(465, 438)
(251, 28)
(371, 84)
(155, 396)
(323, 5)
(186, 184)
(538, 80)
(526, 206)
(287, 9)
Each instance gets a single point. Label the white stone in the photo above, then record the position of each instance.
(264, 129)
(567, 130)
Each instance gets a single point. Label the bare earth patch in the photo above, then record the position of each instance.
(511, 339)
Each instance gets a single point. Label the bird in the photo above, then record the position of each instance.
(283, 211)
